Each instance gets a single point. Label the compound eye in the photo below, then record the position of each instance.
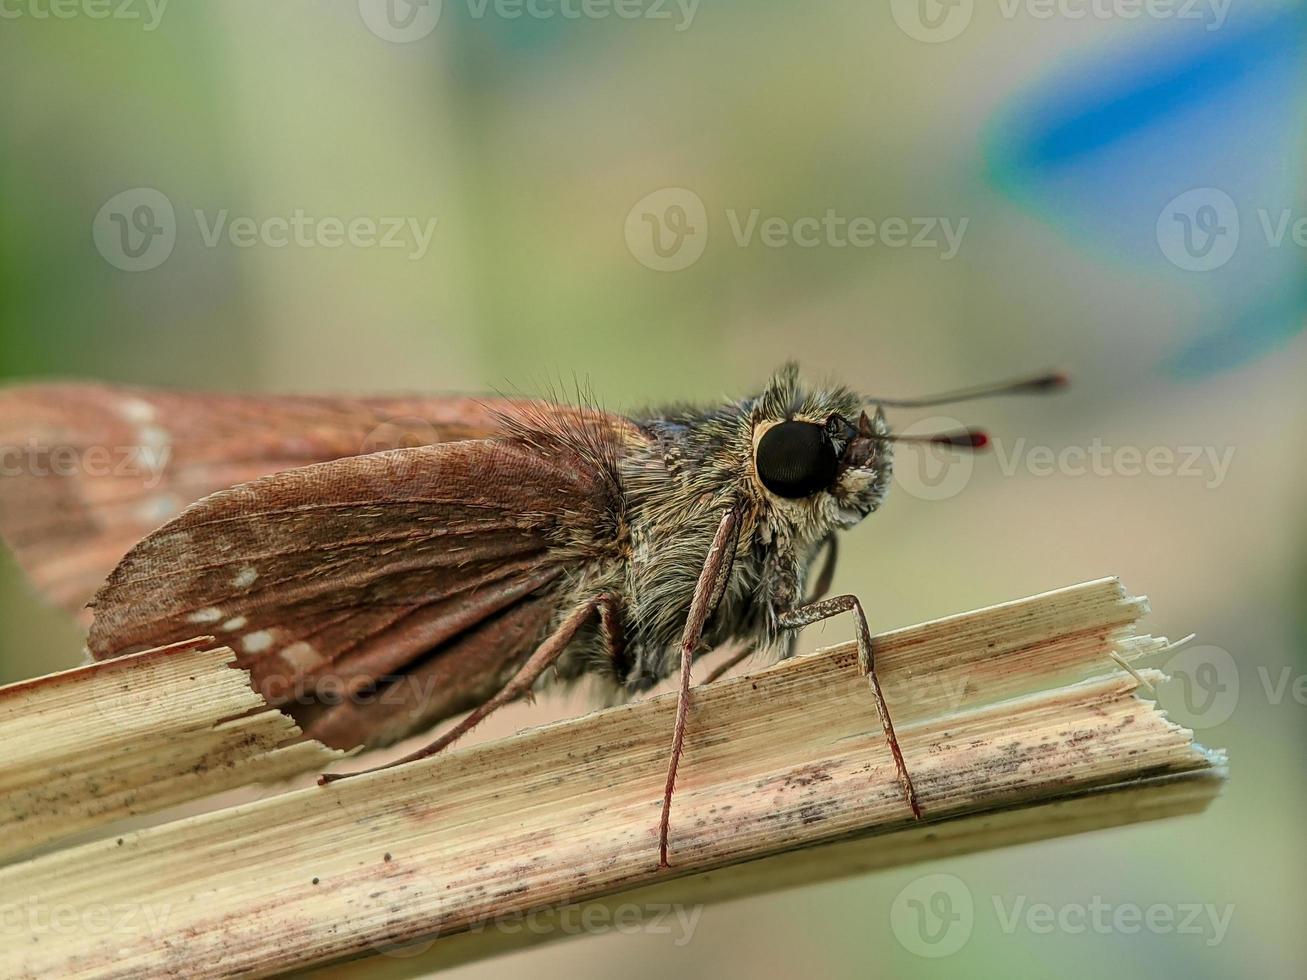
(796, 459)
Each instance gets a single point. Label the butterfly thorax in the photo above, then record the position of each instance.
(695, 466)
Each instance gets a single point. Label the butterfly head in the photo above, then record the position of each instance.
(823, 456)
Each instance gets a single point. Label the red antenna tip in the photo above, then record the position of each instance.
(1050, 381)
(970, 439)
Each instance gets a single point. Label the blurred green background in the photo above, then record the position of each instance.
(1124, 188)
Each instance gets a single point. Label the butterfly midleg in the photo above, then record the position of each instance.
(613, 631)
(814, 612)
(708, 591)
(521, 683)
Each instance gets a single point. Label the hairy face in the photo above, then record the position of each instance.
(821, 461)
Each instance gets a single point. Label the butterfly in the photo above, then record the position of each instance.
(380, 565)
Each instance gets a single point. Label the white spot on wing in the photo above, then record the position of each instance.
(235, 623)
(245, 577)
(301, 656)
(136, 410)
(257, 642)
(210, 615)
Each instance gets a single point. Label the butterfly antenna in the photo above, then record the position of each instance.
(961, 439)
(1038, 385)
(964, 438)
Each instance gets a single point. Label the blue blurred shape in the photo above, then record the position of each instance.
(1103, 148)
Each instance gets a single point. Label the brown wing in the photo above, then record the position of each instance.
(87, 470)
(371, 596)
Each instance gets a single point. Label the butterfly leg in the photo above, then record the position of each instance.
(831, 548)
(612, 630)
(814, 612)
(708, 591)
(521, 684)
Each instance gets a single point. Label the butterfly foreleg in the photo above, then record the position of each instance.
(708, 591)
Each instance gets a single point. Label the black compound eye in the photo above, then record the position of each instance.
(796, 459)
